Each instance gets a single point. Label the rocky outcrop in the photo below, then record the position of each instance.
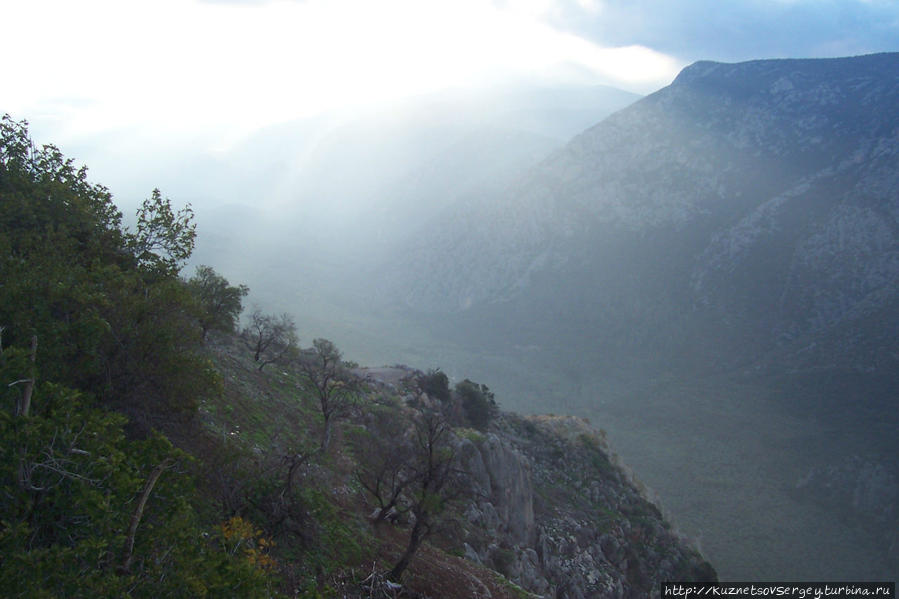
(555, 515)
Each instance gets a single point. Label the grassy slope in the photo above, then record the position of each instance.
(264, 414)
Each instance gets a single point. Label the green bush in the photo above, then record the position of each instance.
(478, 403)
(71, 480)
(436, 384)
(111, 315)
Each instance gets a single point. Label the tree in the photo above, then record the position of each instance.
(112, 316)
(436, 480)
(164, 239)
(270, 338)
(436, 384)
(56, 227)
(385, 453)
(87, 512)
(477, 402)
(331, 383)
(219, 302)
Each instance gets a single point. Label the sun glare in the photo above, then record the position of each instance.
(174, 64)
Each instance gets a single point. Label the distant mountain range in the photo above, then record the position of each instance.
(745, 209)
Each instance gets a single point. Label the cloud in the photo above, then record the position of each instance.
(188, 65)
(738, 29)
(172, 66)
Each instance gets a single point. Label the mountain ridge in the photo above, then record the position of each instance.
(670, 162)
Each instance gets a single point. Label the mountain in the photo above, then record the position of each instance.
(335, 195)
(760, 195)
(736, 230)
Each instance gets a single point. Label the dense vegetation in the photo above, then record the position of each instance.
(100, 350)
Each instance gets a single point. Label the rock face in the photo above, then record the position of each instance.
(502, 479)
(558, 518)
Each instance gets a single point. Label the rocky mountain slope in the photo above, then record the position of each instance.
(547, 511)
(563, 519)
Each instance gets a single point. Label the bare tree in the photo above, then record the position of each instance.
(385, 454)
(332, 384)
(294, 459)
(284, 511)
(270, 338)
(436, 480)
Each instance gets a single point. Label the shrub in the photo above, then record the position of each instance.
(436, 384)
(478, 403)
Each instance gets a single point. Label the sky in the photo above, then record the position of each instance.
(219, 69)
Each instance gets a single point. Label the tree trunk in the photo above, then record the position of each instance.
(295, 463)
(29, 384)
(128, 549)
(326, 436)
(415, 538)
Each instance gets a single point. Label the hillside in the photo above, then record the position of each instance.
(547, 509)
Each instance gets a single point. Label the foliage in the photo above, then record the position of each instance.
(271, 338)
(436, 384)
(478, 403)
(241, 538)
(86, 510)
(473, 435)
(597, 452)
(164, 239)
(111, 315)
(338, 540)
(70, 479)
(327, 379)
(219, 303)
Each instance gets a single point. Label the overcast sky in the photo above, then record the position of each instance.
(167, 67)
